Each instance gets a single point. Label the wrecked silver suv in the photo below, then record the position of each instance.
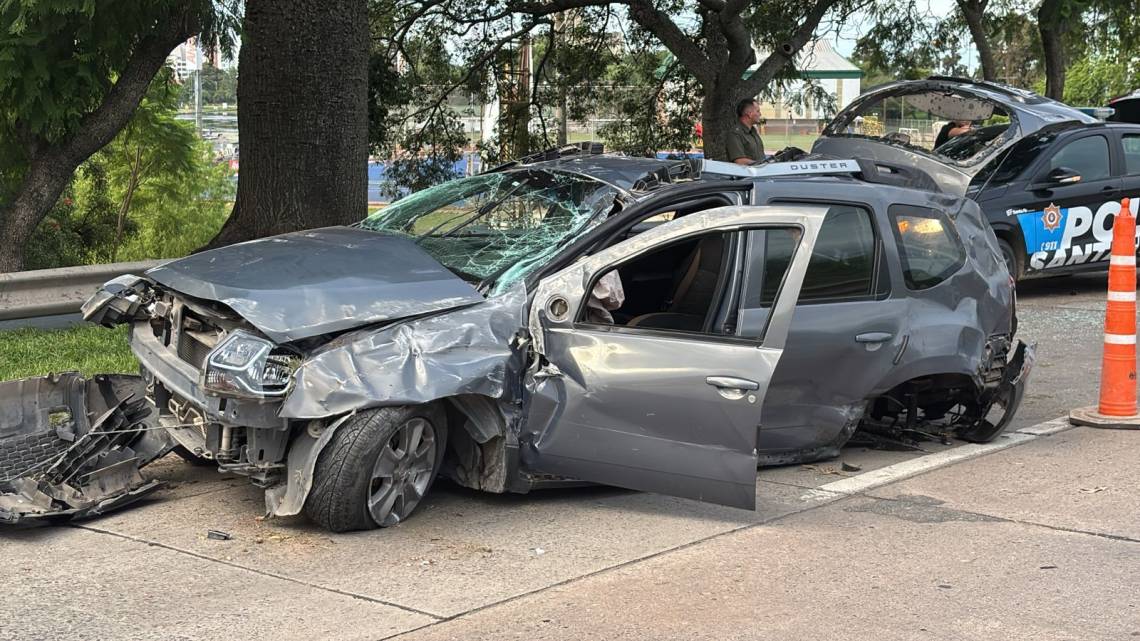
(588, 318)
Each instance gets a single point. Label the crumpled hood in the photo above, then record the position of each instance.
(319, 281)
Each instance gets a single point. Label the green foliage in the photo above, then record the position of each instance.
(83, 220)
(1094, 80)
(904, 42)
(58, 58)
(219, 86)
(659, 111)
(154, 192)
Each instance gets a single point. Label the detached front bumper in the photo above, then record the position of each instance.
(71, 448)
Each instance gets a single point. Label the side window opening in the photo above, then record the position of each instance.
(1087, 156)
(1010, 164)
(1131, 144)
(842, 265)
(675, 287)
(929, 247)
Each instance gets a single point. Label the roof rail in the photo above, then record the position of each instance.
(864, 169)
(768, 170)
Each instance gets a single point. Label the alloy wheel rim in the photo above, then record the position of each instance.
(402, 472)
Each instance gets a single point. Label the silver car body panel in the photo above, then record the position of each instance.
(319, 281)
(466, 351)
(940, 330)
(650, 410)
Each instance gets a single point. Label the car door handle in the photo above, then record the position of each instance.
(732, 382)
(874, 337)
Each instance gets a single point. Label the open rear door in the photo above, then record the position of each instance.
(649, 408)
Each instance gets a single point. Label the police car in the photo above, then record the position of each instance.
(1049, 177)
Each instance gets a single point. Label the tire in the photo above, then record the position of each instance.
(1012, 259)
(365, 478)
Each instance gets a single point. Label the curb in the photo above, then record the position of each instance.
(906, 469)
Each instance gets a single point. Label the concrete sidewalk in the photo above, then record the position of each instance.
(1040, 540)
(1035, 542)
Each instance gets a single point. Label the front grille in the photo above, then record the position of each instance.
(192, 350)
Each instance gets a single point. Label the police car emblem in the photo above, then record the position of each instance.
(1051, 217)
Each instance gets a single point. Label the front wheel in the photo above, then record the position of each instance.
(377, 467)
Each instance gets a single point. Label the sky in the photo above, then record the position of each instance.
(844, 43)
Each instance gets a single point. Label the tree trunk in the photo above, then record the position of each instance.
(974, 13)
(1052, 33)
(46, 177)
(132, 185)
(302, 118)
(718, 115)
(51, 165)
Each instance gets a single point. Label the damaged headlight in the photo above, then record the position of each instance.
(246, 365)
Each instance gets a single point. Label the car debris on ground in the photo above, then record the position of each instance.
(71, 447)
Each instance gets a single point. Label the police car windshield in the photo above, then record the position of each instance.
(955, 126)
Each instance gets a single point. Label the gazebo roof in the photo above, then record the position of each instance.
(817, 60)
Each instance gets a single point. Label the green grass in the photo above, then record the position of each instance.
(87, 348)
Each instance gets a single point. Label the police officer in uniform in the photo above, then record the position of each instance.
(744, 144)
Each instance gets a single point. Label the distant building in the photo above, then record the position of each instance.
(184, 59)
(818, 62)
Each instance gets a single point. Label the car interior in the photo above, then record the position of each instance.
(678, 286)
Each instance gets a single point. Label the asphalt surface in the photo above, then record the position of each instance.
(1033, 538)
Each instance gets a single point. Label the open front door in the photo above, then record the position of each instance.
(662, 397)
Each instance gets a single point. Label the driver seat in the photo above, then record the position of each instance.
(694, 286)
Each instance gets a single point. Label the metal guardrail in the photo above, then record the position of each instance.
(51, 292)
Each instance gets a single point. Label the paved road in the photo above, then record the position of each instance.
(1039, 540)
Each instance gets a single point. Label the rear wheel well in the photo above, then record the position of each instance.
(932, 395)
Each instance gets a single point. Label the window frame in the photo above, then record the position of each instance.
(726, 291)
(881, 284)
(1044, 163)
(1124, 154)
(948, 224)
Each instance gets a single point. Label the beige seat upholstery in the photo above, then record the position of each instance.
(693, 290)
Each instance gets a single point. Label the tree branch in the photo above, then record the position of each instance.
(676, 41)
(99, 127)
(785, 53)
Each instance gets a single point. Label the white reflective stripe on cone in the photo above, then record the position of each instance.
(1128, 261)
(1120, 339)
(1122, 297)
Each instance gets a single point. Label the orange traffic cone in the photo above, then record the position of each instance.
(1117, 407)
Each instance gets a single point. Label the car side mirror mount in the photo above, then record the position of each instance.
(1061, 176)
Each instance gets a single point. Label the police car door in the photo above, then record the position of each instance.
(1071, 196)
(1130, 146)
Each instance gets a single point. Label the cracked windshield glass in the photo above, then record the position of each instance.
(495, 228)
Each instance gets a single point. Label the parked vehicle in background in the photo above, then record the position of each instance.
(1125, 108)
(1048, 176)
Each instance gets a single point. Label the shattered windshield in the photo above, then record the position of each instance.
(955, 126)
(496, 228)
